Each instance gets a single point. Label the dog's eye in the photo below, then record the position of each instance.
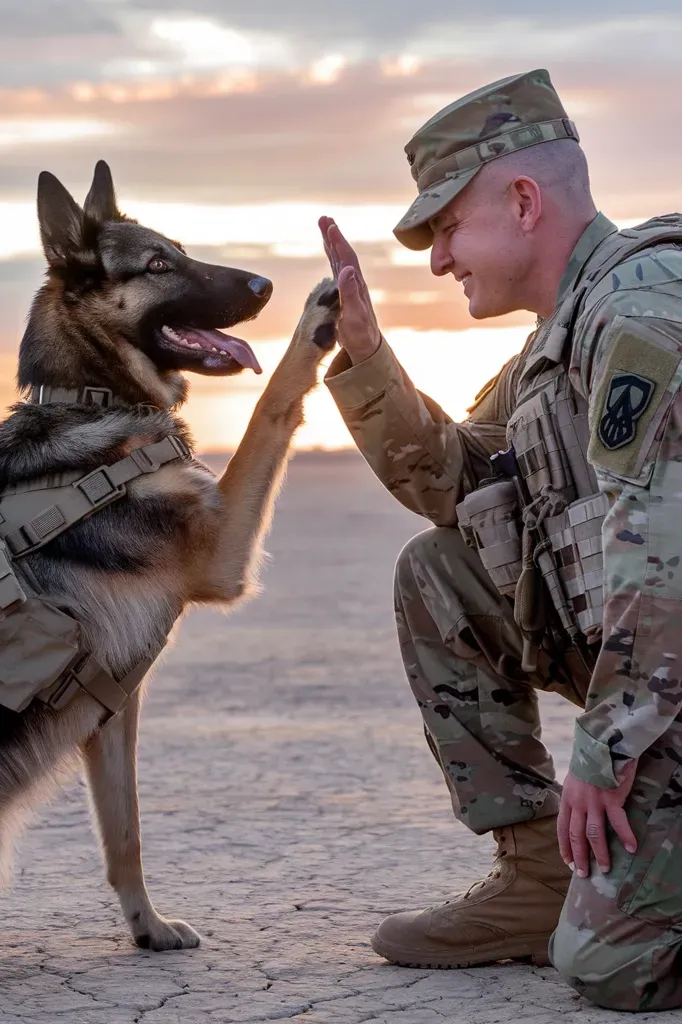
(157, 266)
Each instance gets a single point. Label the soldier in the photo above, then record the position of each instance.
(509, 591)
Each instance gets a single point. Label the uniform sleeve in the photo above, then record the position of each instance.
(424, 459)
(634, 377)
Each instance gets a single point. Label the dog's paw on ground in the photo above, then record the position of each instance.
(162, 935)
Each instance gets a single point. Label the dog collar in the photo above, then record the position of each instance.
(104, 398)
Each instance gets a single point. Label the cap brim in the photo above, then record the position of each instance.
(413, 230)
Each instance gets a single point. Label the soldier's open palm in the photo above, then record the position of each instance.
(358, 330)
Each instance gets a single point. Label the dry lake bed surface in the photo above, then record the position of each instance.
(288, 803)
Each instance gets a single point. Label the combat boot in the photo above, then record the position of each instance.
(509, 915)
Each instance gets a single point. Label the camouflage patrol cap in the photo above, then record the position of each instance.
(512, 114)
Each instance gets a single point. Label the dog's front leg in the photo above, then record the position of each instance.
(249, 486)
(110, 758)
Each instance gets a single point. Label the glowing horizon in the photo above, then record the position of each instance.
(234, 132)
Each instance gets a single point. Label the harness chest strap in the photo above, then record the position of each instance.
(86, 673)
(74, 502)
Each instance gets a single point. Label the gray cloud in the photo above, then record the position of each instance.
(344, 143)
(390, 21)
(531, 32)
(46, 18)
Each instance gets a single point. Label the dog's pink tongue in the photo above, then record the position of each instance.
(235, 347)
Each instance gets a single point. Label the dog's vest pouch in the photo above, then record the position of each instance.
(38, 643)
(41, 651)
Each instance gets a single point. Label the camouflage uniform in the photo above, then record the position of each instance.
(620, 935)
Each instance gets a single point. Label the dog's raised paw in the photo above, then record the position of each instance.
(321, 315)
(329, 296)
(324, 336)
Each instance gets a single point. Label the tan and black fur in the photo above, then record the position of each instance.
(179, 536)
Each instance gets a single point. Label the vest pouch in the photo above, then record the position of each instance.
(489, 521)
(37, 644)
(576, 538)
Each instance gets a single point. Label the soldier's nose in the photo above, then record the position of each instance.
(261, 287)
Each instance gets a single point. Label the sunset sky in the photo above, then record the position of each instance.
(234, 126)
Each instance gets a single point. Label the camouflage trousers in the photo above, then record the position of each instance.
(619, 939)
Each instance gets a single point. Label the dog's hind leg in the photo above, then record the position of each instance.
(111, 765)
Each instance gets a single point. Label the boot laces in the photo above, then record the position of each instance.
(493, 874)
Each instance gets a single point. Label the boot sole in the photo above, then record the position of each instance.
(528, 950)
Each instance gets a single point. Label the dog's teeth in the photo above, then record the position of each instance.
(214, 349)
(180, 340)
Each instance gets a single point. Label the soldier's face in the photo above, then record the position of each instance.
(479, 240)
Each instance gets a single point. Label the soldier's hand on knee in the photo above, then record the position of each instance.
(358, 331)
(581, 825)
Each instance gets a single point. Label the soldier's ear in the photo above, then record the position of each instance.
(60, 219)
(100, 203)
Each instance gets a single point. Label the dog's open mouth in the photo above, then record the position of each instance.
(214, 349)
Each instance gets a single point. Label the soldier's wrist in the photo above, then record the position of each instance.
(361, 353)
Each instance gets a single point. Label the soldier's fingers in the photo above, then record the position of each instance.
(358, 331)
(332, 248)
(621, 826)
(580, 847)
(353, 306)
(596, 834)
(562, 832)
(344, 251)
(346, 256)
(324, 224)
(361, 294)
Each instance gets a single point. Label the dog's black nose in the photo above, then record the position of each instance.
(261, 287)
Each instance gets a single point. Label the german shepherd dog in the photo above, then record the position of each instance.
(125, 308)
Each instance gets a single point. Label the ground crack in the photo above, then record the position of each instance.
(166, 999)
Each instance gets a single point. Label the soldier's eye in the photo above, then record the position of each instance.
(157, 266)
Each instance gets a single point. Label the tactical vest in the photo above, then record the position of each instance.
(42, 655)
(537, 521)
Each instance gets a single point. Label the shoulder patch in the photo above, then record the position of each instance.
(641, 372)
(627, 398)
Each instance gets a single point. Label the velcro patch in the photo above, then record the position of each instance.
(632, 395)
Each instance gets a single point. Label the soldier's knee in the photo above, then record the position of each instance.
(424, 550)
(599, 971)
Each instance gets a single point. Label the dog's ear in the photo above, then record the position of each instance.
(100, 204)
(61, 221)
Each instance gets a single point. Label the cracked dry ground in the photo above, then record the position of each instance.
(288, 802)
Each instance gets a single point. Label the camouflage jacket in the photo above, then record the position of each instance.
(624, 356)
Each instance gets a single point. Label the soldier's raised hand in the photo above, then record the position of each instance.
(358, 330)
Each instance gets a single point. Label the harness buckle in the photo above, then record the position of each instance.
(180, 447)
(147, 463)
(30, 536)
(68, 686)
(75, 679)
(103, 397)
(99, 488)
